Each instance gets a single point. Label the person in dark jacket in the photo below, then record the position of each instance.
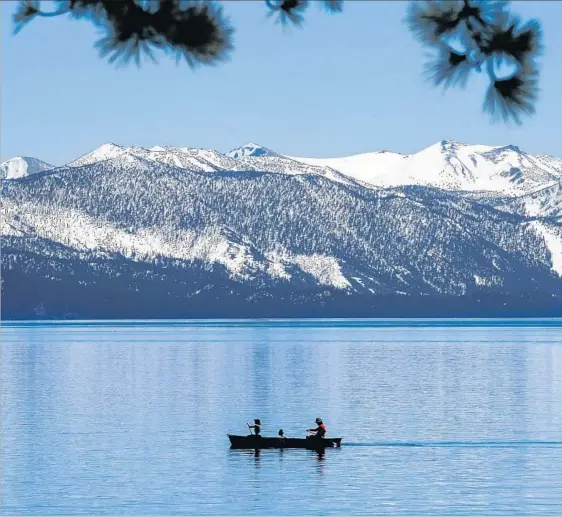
(256, 427)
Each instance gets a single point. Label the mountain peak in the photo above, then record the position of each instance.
(449, 144)
(109, 146)
(251, 149)
(22, 166)
(103, 152)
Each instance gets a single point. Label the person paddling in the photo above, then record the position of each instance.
(320, 430)
(256, 427)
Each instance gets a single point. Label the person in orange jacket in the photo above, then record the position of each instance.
(320, 430)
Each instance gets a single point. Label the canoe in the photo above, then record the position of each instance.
(264, 442)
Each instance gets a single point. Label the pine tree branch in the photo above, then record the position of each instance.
(29, 9)
(510, 98)
(488, 34)
(449, 68)
(288, 11)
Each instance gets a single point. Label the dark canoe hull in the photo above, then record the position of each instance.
(264, 442)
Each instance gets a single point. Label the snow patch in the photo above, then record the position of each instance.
(553, 241)
(277, 264)
(487, 281)
(325, 269)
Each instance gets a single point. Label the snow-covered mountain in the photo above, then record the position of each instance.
(209, 161)
(22, 166)
(137, 237)
(453, 166)
(180, 232)
(500, 170)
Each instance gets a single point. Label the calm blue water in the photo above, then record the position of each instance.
(131, 418)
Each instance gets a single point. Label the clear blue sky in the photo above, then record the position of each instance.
(344, 84)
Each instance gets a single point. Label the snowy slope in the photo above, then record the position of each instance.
(545, 202)
(452, 165)
(22, 166)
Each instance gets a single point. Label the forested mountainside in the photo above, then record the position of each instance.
(129, 232)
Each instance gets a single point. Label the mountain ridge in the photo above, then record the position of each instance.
(446, 164)
(270, 236)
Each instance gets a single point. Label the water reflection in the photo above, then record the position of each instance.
(255, 456)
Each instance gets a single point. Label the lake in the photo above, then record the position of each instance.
(130, 418)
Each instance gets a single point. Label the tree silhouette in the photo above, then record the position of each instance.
(464, 36)
(468, 35)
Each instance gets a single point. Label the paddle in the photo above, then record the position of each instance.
(249, 427)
